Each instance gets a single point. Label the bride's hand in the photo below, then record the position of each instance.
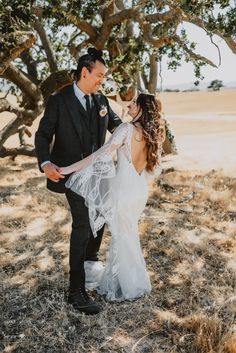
(66, 170)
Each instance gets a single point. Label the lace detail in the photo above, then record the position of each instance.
(92, 182)
(116, 195)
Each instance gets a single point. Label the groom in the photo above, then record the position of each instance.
(77, 118)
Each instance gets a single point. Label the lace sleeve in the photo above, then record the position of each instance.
(93, 178)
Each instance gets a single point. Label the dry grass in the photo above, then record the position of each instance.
(219, 102)
(188, 235)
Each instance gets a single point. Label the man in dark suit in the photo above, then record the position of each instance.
(77, 118)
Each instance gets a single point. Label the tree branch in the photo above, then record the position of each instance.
(55, 82)
(17, 43)
(82, 25)
(5, 105)
(194, 56)
(22, 132)
(147, 33)
(99, 38)
(231, 43)
(120, 4)
(174, 14)
(30, 64)
(25, 150)
(122, 16)
(204, 25)
(107, 8)
(23, 117)
(74, 50)
(111, 22)
(165, 40)
(20, 79)
(46, 45)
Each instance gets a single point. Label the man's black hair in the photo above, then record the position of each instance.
(88, 60)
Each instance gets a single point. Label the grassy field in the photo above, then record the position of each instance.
(188, 236)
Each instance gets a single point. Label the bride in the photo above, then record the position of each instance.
(117, 195)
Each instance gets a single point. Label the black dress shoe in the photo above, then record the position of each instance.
(82, 302)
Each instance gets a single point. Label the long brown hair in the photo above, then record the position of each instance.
(153, 128)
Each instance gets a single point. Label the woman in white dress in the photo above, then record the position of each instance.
(117, 194)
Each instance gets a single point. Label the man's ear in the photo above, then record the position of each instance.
(84, 72)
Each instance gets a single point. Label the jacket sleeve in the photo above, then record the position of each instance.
(114, 119)
(46, 130)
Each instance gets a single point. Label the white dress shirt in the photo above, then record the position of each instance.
(80, 95)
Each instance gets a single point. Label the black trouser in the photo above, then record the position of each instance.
(83, 245)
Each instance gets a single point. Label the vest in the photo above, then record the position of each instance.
(90, 141)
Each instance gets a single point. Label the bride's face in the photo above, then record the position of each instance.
(133, 108)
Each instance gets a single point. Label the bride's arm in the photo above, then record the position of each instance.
(77, 166)
(115, 141)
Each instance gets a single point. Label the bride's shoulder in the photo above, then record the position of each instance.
(130, 128)
(123, 131)
(124, 126)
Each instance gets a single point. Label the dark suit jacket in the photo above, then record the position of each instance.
(62, 122)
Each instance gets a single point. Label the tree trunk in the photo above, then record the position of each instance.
(152, 82)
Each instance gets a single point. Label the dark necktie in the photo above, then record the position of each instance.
(88, 107)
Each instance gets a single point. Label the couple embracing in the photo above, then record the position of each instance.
(98, 191)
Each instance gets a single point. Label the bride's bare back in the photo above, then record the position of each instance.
(138, 149)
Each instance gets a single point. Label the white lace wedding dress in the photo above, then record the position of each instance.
(116, 195)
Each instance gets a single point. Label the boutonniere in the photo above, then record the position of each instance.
(103, 111)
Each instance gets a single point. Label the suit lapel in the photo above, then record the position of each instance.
(77, 112)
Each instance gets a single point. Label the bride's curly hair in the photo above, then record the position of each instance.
(153, 128)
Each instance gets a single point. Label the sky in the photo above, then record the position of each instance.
(185, 74)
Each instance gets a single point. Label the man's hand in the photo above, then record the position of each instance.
(52, 172)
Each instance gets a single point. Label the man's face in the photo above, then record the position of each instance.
(94, 79)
